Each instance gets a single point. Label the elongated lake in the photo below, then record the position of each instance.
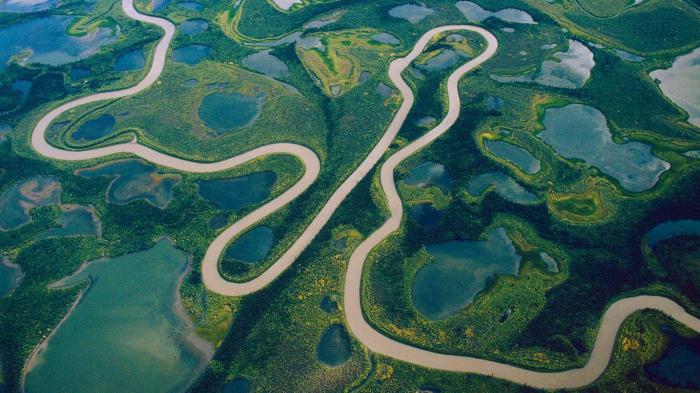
(125, 331)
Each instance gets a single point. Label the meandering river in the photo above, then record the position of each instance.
(615, 315)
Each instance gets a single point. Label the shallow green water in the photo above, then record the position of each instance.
(74, 221)
(238, 192)
(96, 128)
(225, 112)
(124, 333)
(134, 180)
(515, 154)
(17, 201)
(252, 246)
(334, 348)
(504, 186)
(460, 270)
(581, 132)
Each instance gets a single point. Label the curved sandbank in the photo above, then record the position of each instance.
(379, 343)
(371, 338)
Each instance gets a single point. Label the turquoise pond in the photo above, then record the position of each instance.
(569, 70)
(670, 229)
(253, 246)
(191, 54)
(267, 64)
(27, 6)
(94, 129)
(17, 201)
(413, 13)
(681, 83)
(581, 132)
(522, 158)
(429, 174)
(44, 40)
(124, 332)
(238, 385)
(679, 364)
(74, 220)
(10, 276)
(238, 192)
(476, 14)
(226, 112)
(459, 270)
(426, 215)
(194, 26)
(133, 180)
(131, 61)
(334, 347)
(505, 186)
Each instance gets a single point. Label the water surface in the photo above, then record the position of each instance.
(238, 192)
(515, 154)
(679, 365)
(461, 269)
(504, 185)
(426, 215)
(413, 13)
(27, 6)
(135, 179)
(570, 70)
(125, 332)
(237, 385)
(669, 229)
(10, 275)
(266, 63)
(18, 200)
(95, 128)
(194, 26)
(45, 41)
(191, 54)
(681, 83)
(581, 132)
(75, 220)
(226, 112)
(253, 246)
(476, 14)
(429, 174)
(131, 61)
(334, 348)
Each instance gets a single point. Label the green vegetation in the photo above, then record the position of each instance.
(330, 101)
